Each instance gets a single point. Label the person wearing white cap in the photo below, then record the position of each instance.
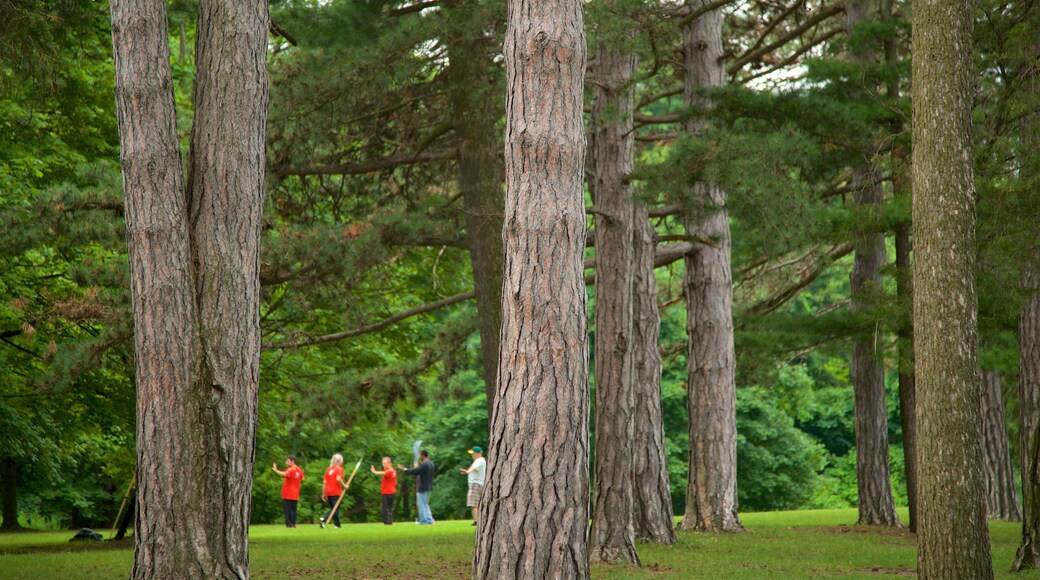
(475, 475)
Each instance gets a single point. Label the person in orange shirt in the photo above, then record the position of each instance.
(333, 488)
(290, 489)
(389, 489)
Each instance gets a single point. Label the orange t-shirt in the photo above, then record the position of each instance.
(333, 487)
(389, 481)
(291, 485)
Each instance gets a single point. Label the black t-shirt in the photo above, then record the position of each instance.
(425, 472)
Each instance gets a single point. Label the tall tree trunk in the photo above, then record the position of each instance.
(652, 497)
(194, 264)
(873, 476)
(711, 493)
(613, 534)
(1001, 496)
(534, 510)
(904, 290)
(9, 488)
(907, 397)
(1028, 557)
(479, 178)
(876, 506)
(952, 538)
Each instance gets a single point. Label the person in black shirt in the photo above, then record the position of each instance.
(424, 470)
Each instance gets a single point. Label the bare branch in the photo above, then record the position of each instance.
(753, 55)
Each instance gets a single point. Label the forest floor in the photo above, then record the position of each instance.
(800, 544)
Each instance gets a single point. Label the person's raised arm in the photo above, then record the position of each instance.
(274, 467)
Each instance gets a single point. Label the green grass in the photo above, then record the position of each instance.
(815, 544)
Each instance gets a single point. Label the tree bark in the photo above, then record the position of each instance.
(1028, 557)
(612, 537)
(953, 538)
(904, 291)
(711, 493)
(1001, 495)
(194, 263)
(9, 488)
(873, 475)
(480, 171)
(652, 499)
(876, 506)
(535, 516)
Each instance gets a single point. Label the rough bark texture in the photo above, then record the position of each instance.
(952, 537)
(1028, 557)
(194, 262)
(652, 506)
(711, 494)
(480, 181)
(612, 538)
(907, 397)
(873, 476)
(9, 488)
(1001, 496)
(534, 509)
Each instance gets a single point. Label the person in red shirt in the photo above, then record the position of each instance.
(389, 489)
(290, 489)
(333, 488)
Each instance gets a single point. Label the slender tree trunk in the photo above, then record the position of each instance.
(711, 493)
(480, 179)
(9, 487)
(907, 398)
(904, 290)
(1028, 557)
(876, 506)
(1001, 496)
(194, 263)
(534, 510)
(873, 476)
(652, 505)
(952, 538)
(613, 534)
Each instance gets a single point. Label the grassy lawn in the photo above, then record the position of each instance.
(779, 544)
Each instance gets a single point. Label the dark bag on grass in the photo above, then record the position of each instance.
(86, 534)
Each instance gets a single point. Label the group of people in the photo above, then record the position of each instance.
(334, 486)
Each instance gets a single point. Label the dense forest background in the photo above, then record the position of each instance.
(370, 329)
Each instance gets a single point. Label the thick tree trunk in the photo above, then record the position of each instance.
(652, 497)
(9, 488)
(194, 261)
(534, 510)
(613, 536)
(1028, 557)
(907, 398)
(876, 506)
(479, 178)
(952, 538)
(711, 493)
(1001, 496)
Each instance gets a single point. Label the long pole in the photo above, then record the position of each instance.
(122, 506)
(342, 495)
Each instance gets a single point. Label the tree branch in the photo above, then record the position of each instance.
(777, 300)
(753, 55)
(391, 162)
